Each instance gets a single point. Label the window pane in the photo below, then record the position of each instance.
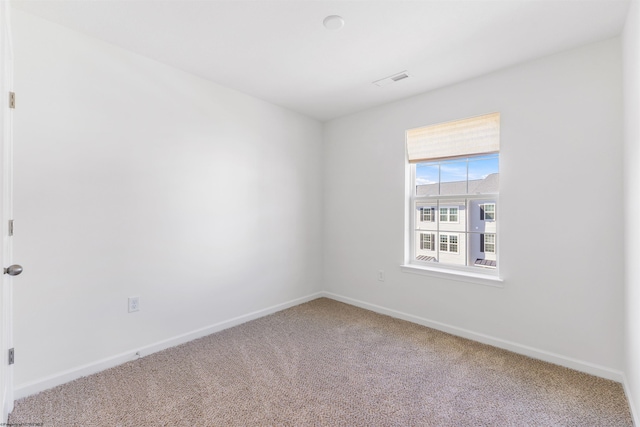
(429, 244)
(453, 214)
(482, 250)
(453, 177)
(490, 243)
(482, 215)
(427, 179)
(426, 246)
(483, 174)
(489, 212)
(453, 243)
(444, 217)
(454, 250)
(425, 215)
(444, 242)
(461, 230)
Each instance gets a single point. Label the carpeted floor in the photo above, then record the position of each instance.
(325, 363)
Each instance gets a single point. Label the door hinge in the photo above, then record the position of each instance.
(10, 227)
(11, 356)
(12, 100)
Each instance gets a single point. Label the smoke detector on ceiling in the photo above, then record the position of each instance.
(333, 22)
(392, 79)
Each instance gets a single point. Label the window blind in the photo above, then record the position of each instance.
(475, 135)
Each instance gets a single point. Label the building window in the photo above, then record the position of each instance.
(488, 243)
(427, 241)
(448, 214)
(444, 214)
(454, 197)
(449, 243)
(488, 212)
(427, 215)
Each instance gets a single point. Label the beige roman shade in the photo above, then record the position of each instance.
(467, 137)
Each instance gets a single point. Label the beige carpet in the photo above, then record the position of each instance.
(325, 363)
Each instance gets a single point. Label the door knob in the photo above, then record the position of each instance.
(13, 270)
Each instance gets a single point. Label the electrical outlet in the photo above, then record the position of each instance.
(381, 275)
(134, 304)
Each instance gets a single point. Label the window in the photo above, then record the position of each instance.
(449, 243)
(448, 214)
(488, 243)
(444, 214)
(488, 212)
(427, 241)
(454, 194)
(427, 215)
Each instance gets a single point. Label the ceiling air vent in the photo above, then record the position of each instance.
(392, 79)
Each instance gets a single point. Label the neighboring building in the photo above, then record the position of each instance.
(459, 225)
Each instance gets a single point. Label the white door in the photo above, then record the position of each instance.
(6, 143)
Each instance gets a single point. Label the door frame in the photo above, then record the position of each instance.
(6, 207)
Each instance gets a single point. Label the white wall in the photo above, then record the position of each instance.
(135, 179)
(560, 173)
(631, 61)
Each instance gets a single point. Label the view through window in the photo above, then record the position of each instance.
(464, 194)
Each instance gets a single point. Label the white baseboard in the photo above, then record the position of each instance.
(557, 359)
(24, 390)
(635, 416)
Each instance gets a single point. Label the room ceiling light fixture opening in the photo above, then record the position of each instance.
(333, 22)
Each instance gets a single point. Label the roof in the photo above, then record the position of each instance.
(488, 185)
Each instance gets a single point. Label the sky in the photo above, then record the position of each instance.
(456, 170)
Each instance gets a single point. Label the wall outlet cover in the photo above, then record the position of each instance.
(134, 304)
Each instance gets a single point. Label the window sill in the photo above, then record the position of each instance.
(458, 276)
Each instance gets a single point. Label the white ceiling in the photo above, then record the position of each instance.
(280, 52)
